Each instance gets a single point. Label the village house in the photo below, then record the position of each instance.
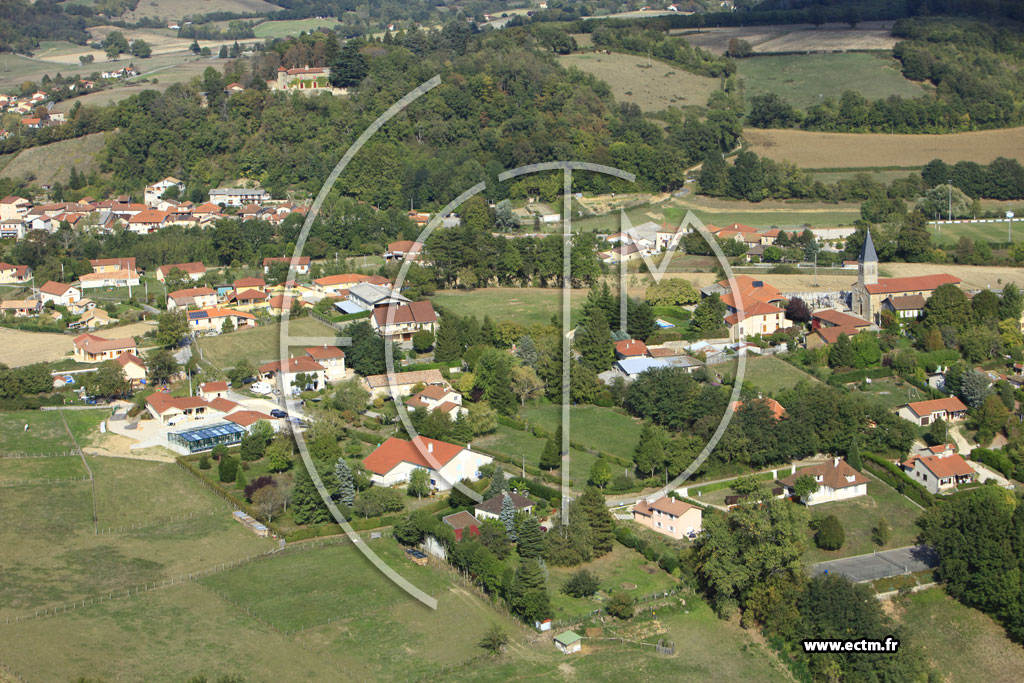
(438, 397)
(247, 299)
(905, 307)
(247, 418)
(211, 320)
(116, 278)
(152, 194)
(211, 390)
(630, 368)
(393, 461)
(830, 317)
(134, 369)
(238, 196)
(14, 207)
(623, 252)
(11, 274)
(403, 250)
(304, 78)
(21, 308)
(59, 293)
(92, 349)
(12, 229)
(836, 480)
(112, 265)
(823, 336)
(148, 220)
(402, 322)
(631, 348)
(193, 297)
(331, 358)
(289, 371)
(756, 318)
(923, 413)
(338, 285)
(91, 319)
(939, 469)
(870, 291)
(301, 263)
(364, 296)
(244, 283)
(491, 508)
(380, 386)
(171, 411)
(195, 270)
(668, 516)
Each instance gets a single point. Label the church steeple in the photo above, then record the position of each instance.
(867, 263)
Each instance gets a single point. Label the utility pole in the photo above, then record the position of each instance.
(949, 191)
(1009, 227)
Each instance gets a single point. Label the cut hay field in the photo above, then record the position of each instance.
(52, 163)
(29, 469)
(46, 433)
(651, 85)
(805, 80)
(291, 27)
(869, 35)
(181, 8)
(809, 149)
(934, 620)
(260, 344)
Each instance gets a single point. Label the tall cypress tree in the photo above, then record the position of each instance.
(550, 457)
(447, 347)
(346, 482)
(531, 538)
(307, 506)
(594, 342)
(600, 520)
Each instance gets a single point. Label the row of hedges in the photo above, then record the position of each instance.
(666, 556)
(898, 479)
(239, 503)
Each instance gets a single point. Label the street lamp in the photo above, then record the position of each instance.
(1009, 227)
(949, 191)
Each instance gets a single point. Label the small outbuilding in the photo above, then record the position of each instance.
(569, 642)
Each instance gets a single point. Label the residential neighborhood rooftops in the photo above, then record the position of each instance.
(122, 263)
(54, 288)
(461, 520)
(831, 334)
(162, 402)
(664, 504)
(942, 466)
(245, 418)
(432, 376)
(415, 312)
(324, 352)
(192, 292)
(249, 283)
(213, 386)
(394, 451)
(493, 504)
(292, 365)
(110, 275)
(90, 343)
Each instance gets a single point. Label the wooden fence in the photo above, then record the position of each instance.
(29, 482)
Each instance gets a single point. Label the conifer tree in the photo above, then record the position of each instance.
(346, 482)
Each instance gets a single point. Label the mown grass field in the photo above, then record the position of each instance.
(259, 344)
(27, 469)
(963, 644)
(524, 305)
(291, 27)
(764, 216)
(650, 84)
(52, 554)
(806, 80)
(860, 515)
(810, 149)
(992, 231)
(600, 429)
(52, 163)
(46, 433)
(889, 392)
(517, 445)
(620, 570)
(767, 373)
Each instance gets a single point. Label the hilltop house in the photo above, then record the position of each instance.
(304, 78)
(153, 193)
(836, 480)
(394, 460)
(939, 469)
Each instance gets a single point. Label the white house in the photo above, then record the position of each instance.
(59, 293)
(290, 370)
(836, 480)
(196, 297)
(117, 278)
(394, 460)
(212, 390)
(439, 397)
(331, 358)
(234, 196)
(939, 469)
(152, 193)
(923, 413)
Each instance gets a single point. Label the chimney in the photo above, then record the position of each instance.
(430, 447)
(836, 462)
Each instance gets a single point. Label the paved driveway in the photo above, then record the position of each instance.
(880, 564)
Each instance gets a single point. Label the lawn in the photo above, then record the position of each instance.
(621, 569)
(260, 344)
(45, 435)
(650, 84)
(28, 469)
(805, 80)
(593, 427)
(889, 392)
(318, 591)
(52, 554)
(767, 373)
(517, 444)
(524, 305)
(962, 643)
(789, 217)
(991, 231)
(860, 515)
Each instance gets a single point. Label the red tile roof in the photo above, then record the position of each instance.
(777, 410)
(912, 302)
(839, 319)
(831, 334)
(631, 347)
(343, 278)
(191, 292)
(942, 466)
(213, 386)
(125, 263)
(664, 504)
(248, 295)
(54, 288)
(389, 454)
(188, 268)
(90, 343)
(925, 283)
(292, 365)
(834, 473)
(299, 260)
(244, 418)
(324, 352)
(925, 408)
(406, 247)
(249, 283)
(126, 358)
(162, 402)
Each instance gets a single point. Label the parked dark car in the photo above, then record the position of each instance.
(277, 412)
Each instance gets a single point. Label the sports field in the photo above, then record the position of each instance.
(259, 344)
(992, 231)
(805, 80)
(650, 84)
